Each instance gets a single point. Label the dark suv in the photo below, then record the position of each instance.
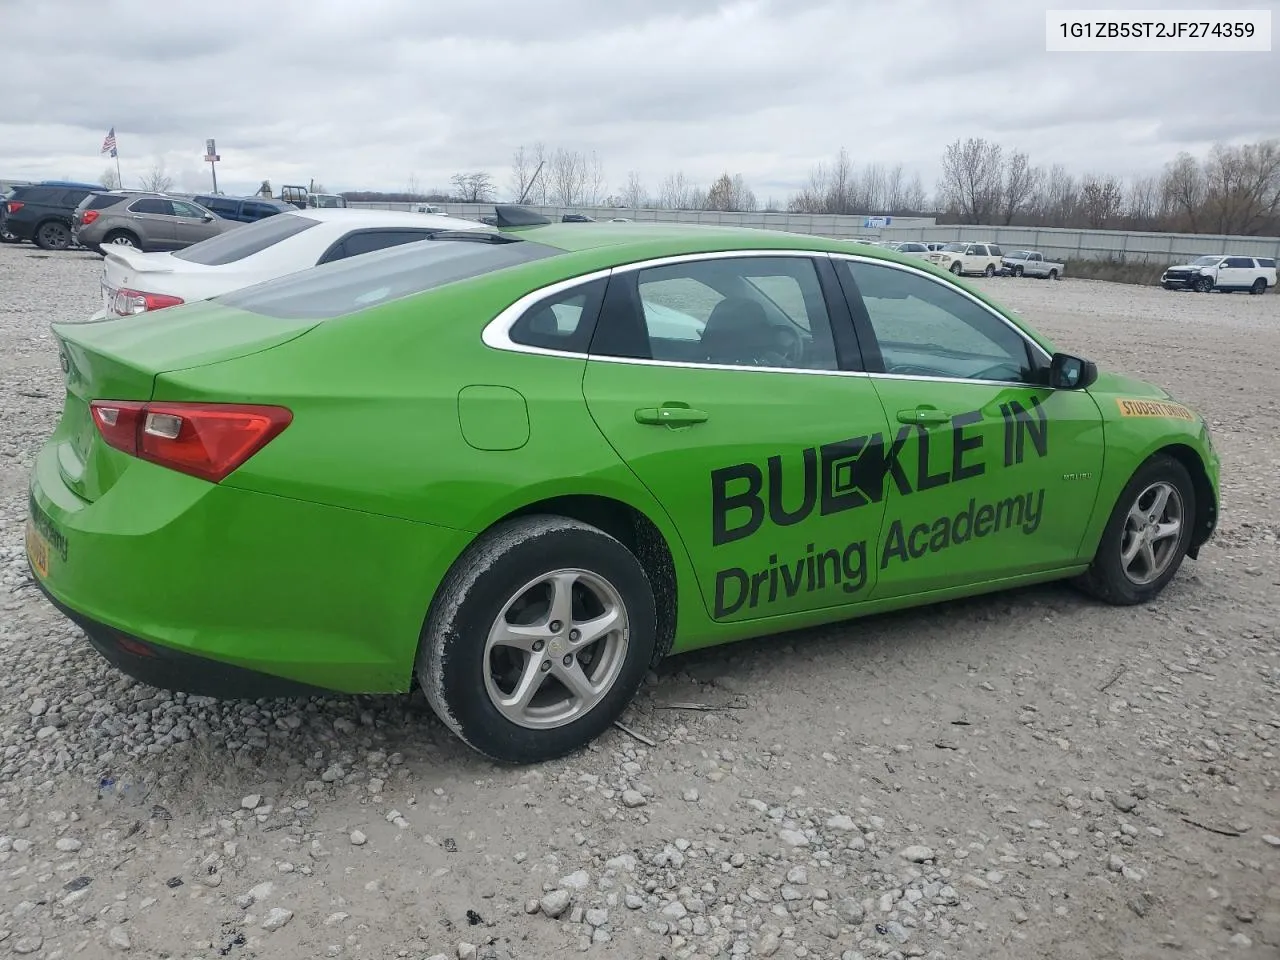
(242, 209)
(42, 212)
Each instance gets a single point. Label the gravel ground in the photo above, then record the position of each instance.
(1019, 776)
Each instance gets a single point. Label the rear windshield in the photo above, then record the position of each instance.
(240, 242)
(347, 286)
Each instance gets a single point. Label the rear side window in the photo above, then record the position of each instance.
(101, 201)
(1266, 262)
(34, 195)
(348, 286)
(244, 241)
(563, 322)
(258, 211)
(995, 251)
(152, 205)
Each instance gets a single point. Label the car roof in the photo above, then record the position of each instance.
(366, 217)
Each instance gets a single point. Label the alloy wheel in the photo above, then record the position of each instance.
(1152, 532)
(556, 649)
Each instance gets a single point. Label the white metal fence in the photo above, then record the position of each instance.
(1063, 244)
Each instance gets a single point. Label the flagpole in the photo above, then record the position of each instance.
(119, 178)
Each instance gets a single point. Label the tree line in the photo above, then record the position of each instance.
(1232, 189)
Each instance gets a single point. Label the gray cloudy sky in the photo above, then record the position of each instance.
(367, 93)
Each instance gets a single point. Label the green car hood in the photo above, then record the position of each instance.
(1120, 385)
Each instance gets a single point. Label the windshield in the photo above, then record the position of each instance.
(347, 286)
(1205, 261)
(955, 247)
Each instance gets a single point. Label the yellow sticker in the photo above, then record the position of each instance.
(1154, 408)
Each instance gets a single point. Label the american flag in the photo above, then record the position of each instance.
(109, 144)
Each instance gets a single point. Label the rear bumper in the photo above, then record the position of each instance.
(208, 588)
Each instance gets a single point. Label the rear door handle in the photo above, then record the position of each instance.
(676, 415)
(923, 415)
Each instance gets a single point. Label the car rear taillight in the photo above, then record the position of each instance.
(88, 216)
(205, 440)
(128, 303)
(14, 205)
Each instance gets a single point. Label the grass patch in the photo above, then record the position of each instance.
(1116, 271)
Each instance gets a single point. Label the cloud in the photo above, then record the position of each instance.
(368, 94)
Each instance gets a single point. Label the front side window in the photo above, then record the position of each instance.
(188, 210)
(732, 311)
(1239, 263)
(926, 328)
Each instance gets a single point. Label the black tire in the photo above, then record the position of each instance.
(1259, 286)
(1018, 271)
(1053, 274)
(957, 269)
(53, 235)
(452, 665)
(123, 238)
(1203, 285)
(1106, 578)
(990, 271)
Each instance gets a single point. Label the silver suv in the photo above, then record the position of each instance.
(145, 221)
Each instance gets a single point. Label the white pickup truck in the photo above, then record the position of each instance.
(1032, 263)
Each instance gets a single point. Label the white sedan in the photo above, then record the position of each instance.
(134, 282)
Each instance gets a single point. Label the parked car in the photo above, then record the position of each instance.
(142, 220)
(913, 248)
(961, 257)
(135, 282)
(42, 212)
(577, 218)
(325, 201)
(439, 462)
(242, 209)
(428, 208)
(1033, 263)
(1225, 273)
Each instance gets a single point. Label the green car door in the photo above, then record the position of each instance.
(723, 382)
(989, 474)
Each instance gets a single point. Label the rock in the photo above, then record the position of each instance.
(25, 945)
(1123, 802)
(842, 824)
(675, 911)
(1115, 864)
(531, 906)
(251, 802)
(793, 838)
(467, 951)
(255, 895)
(690, 796)
(555, 903)
(335, 918)
(1270, 840)
(277, 917)
(597, 918)
(633, 901)
(850, 911)
(633, 798)
(118, 938)
(358, 839)
(1240, 940)
(768, 945)
(898, 931)
(577, 881)
(38, 707)
(68, 844)
(917, 854)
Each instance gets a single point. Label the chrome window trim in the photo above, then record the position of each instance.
(497, 332)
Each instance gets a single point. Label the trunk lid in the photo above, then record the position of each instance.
(126, 267)
(121, 359)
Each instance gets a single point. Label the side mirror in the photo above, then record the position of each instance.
(207, 218)
(1071, 373)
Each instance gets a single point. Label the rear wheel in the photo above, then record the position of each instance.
(1053, 274)
(1147, 536)
(538, 638)
(52, 235)
(122, 238)
(990, 271)
(1203, 285)
(1259, 286)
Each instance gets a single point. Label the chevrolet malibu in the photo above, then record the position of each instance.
(521, 466)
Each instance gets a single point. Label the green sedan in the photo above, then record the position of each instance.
(522, 465)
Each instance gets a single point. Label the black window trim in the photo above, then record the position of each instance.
(496, 333)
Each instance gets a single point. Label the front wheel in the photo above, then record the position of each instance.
(1203, 285)
(1147, 536)
(538, 638)
(1017, 271)
(956, 268)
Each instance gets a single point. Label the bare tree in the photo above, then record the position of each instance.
(1184, 188)
(110, 179)
(730, 194)
(1020, 180)
(1243, 186)
(869, 197)
(1056, 201)
(634, 193)
(971, 181)
(1101, 200)
(830, 188)
(568, 177)
(677, 193)
(914, 198)
(413, 187)
(592, 180)
(524, 167)
(1144, 203)
(895, 189)
(156, 180)
(473, 187)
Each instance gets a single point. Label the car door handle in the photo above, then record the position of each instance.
(673, 414)
(923, 415)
